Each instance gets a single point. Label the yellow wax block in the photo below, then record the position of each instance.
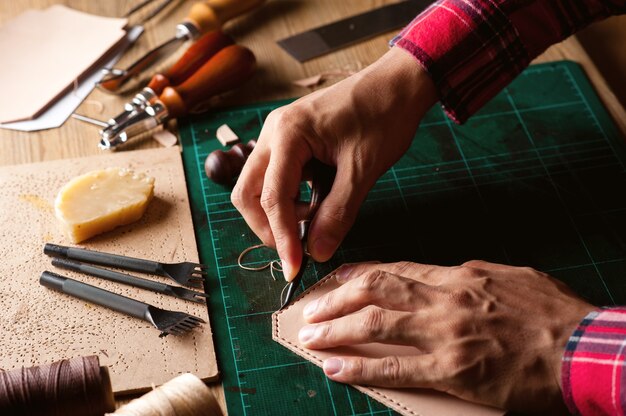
(101, 200)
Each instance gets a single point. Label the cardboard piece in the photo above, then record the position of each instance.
(46, 51)
(287, 322)
(40, 326)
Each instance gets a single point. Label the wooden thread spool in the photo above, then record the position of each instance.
(185, 395)
(223, 167)
(78, 386)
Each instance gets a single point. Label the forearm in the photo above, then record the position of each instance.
(474, 48)
(394, 83)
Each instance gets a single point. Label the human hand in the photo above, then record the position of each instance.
(487, 333)
(361, 125)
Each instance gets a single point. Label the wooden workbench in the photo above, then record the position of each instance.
(258, 31)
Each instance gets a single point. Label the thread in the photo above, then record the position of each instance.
(78, 386)
(248, 250)
(274, 265)
(185, 395)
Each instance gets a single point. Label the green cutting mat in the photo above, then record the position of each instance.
(536, 179)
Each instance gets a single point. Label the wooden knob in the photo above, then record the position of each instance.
(223, 167)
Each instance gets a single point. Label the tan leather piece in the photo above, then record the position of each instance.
(44, 51)
(39, 326)
(422, 402)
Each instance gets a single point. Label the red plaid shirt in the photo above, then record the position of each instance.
(474, 48)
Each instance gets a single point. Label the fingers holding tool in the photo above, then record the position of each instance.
(323, 177)
(271, 202)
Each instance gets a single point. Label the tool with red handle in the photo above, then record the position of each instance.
(197, 54)
(227, 69)
(202, 18)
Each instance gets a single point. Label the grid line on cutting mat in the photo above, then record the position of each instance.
(528, 181)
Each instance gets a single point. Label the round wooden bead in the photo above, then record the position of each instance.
(223, 167)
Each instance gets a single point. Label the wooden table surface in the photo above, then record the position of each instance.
(259, 31)
(276, 70)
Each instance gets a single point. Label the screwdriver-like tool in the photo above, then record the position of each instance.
(203, 17)
(227, 69)
(197, 54)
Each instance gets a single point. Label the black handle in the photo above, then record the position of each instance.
(109, 275)
(95, 295)
(105, 259)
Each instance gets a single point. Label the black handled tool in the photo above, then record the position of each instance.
(127, 279)
(187, 274)
(168, 322)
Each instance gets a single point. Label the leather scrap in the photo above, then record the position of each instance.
(45, 52)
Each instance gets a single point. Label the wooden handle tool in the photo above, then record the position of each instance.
(213, 14)
(197, 54)
(203, 18)
(226, 70)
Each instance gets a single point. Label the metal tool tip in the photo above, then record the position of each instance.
(291, 289)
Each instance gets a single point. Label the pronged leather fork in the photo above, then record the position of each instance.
(127, 279)
(168, 322)
(185, 273)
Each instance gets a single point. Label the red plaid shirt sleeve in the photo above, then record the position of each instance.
(592, 372)
(474, 48)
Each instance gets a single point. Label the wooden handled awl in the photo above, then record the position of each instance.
(203, 17)
(193, 58)
(227, 69)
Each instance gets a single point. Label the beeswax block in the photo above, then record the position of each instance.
(102, 200)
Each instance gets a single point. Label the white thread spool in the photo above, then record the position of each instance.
(185, 395)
